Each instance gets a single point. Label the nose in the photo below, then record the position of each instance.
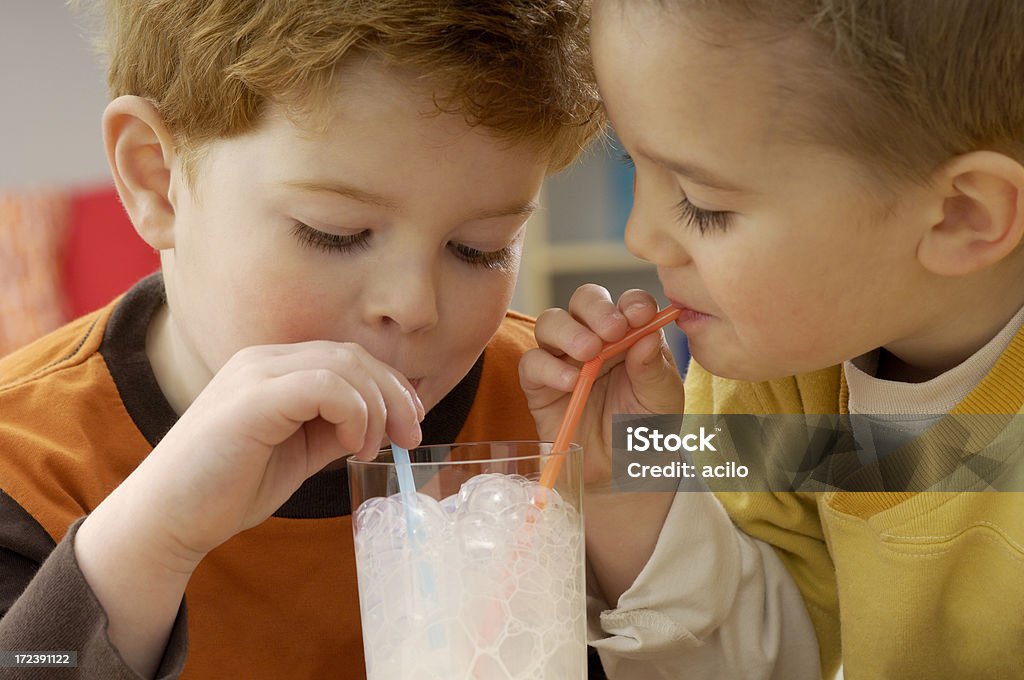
(652, 234)
(405, 298)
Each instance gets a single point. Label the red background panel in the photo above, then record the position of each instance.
(103, 256)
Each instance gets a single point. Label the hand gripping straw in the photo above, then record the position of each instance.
(584, 383)
(578, 400)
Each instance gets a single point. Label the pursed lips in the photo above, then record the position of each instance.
(686, 307)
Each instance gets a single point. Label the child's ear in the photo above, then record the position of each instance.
(982, 214)
(140, 151)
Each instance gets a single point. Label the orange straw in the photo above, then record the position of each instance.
(584, 383)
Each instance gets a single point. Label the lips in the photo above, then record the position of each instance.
(687, 309)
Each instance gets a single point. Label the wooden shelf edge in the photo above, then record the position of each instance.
(592, 256)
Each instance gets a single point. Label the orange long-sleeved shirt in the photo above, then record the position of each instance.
(81, 408)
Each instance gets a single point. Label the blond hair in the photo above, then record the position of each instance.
(906, 84)
(519, 68)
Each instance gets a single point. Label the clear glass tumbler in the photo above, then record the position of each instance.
(480, 574)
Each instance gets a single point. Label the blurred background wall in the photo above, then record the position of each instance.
(54, 90)
(66, 246)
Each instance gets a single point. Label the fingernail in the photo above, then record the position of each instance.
(569, 377)
(416, 432)
(635, 308)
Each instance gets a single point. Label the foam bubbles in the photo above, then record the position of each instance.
(491, 584)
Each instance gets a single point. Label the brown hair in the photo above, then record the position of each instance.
(519, 68)
(906, 84)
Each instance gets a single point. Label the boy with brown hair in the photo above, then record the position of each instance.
(833, 193)
(338, 191)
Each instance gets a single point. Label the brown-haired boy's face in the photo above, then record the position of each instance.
(798, 265)
(392, 229)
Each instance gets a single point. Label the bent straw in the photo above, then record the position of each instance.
(584, 383)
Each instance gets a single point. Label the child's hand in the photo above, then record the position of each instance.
(270, 418)
(642, 380)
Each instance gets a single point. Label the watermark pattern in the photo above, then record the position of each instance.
(814, 453)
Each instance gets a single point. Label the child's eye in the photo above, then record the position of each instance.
(703, 221)
(497, 259)
(626, 159)
(321, 240)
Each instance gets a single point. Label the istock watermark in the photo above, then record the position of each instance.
(647, 439)
(815, 453)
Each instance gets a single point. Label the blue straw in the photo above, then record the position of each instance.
(407, 489)
(406, 484)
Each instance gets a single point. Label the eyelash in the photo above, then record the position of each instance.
(703, 221)
(497, 260)
(326, 242)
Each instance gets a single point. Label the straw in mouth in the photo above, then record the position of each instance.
(585, 382)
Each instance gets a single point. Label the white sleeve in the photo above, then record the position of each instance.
(711, 602)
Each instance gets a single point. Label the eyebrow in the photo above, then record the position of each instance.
(345, 190)
(695, 173)
(521, 210)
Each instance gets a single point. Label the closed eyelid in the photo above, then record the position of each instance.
(501, 259)
(704, 221)
(327, 242)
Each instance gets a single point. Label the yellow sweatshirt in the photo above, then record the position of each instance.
(898, 585)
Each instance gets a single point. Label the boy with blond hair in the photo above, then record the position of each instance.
(833, 193)
(338, 192)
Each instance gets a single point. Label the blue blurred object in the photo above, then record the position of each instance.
(680, 349)
(620, 179)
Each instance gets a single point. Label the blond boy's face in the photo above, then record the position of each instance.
(392, 229)
(805, 265)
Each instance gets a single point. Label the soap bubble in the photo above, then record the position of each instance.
(489, 581)
(494, 494)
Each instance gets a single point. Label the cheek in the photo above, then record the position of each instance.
(741, 281)
(763, 298)
(475, 307)
(293, 313)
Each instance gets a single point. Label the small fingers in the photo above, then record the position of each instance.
(653, 373)
(538, 369)
(402, 410)
(394, 406)
(304, 395)
(345, 358)
(591, 320)
(592, 305)
(334, 380)
(558, 333)
(638, 307)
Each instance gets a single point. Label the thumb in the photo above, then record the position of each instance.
(654, 376)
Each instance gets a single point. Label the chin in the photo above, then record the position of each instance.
(743, 368)
(428, 393)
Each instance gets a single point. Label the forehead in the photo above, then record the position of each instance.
(679, 79)
(379, 117)
(383, 138)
